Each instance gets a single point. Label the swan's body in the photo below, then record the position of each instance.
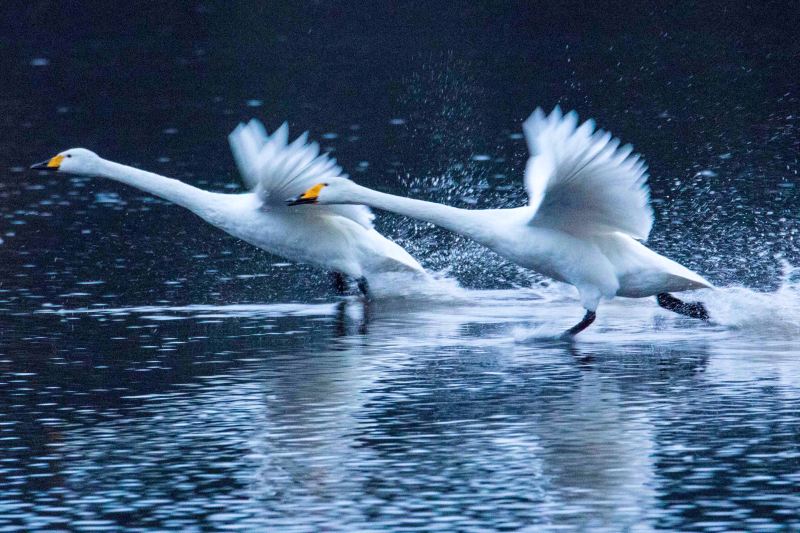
(339, 238)
(588, 205)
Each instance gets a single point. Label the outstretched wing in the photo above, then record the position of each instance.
(581, 181)
(276, 169)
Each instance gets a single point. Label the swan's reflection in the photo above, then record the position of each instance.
(444, 414)
(435, 412)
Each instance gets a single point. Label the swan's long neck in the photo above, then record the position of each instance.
(203, 203)
(473, 223)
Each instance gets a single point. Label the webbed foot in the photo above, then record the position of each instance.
(690, 309)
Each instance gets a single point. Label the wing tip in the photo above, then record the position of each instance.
(281, 134)
(540, 122)
(571, 118)
(235, 134)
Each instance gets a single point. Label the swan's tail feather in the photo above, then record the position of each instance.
(643, 272)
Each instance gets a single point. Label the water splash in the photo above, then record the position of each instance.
(408, 286)
(774, 313)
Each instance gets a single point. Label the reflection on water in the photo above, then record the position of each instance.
(459, 414)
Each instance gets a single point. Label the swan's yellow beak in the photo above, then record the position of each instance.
(51, 164)
(308, 197)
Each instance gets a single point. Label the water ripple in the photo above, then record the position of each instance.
(435, 417)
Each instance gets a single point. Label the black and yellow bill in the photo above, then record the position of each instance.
(51, 164)
(308, 197)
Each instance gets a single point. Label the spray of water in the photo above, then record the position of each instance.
(774, 313)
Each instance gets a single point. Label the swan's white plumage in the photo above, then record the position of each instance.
(338, 238)
(581, 181)
(589, 203)
(275, 169)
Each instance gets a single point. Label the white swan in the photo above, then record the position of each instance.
(339, 238)
(588, 205)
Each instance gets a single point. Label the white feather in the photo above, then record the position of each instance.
(581, 182)
(277, 170)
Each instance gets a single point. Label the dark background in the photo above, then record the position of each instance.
(706, 91)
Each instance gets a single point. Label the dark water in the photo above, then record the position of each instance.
(155, 372)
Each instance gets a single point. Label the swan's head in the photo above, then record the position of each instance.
(333, 191)
(73, 161)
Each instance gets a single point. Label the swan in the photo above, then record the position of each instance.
(588, 210)
(338, 238)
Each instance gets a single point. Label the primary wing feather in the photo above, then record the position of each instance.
(581, 181)
(277, 170)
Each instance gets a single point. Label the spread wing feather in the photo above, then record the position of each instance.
(276, 170)
(581, 181)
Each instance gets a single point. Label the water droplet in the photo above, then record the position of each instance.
(707, 174)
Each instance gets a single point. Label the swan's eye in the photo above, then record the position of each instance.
(69, 155)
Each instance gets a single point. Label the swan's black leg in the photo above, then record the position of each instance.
(339, 283)
(587, 320)
(363, 286)
(693, 309)
(340, 319)
(364, 325)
